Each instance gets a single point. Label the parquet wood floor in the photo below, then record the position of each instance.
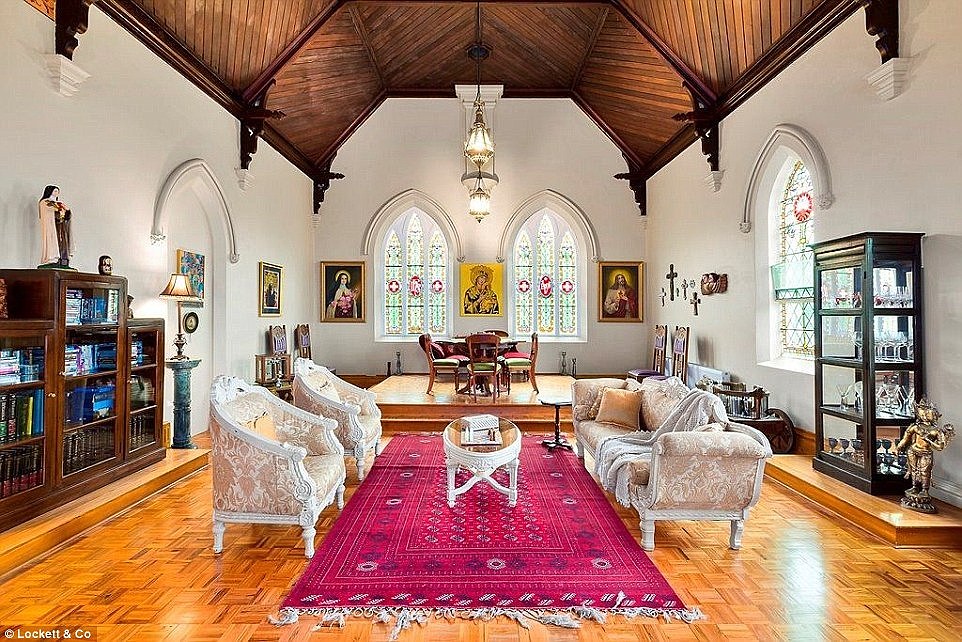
(802, 574)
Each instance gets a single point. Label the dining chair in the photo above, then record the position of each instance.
(679, 352)
(277, 339)
(659, 345)
(439, 363)
(302, 340)
(523, 364)
(484, 362)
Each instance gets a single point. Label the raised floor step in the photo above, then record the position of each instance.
(883, 517)
(27, 541)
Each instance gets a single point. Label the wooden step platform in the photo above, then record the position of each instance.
(884, 517)
(42, 534)
(406, 407)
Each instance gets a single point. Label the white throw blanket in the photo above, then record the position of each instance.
(696, 409)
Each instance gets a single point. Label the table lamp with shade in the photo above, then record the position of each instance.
(179, 289)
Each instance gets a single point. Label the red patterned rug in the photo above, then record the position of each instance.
(397, 552)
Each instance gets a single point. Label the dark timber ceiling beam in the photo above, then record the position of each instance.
(619, 142)
(705, 93)
(329, 153)
(288, 53)
(818, 23)
(72, 17)
(637, 179)
(882, 20)
(602, 19)
(704, 119)
(252, 121)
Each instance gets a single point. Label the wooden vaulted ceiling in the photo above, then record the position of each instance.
(629, 64)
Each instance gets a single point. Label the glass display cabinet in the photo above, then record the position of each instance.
(868, 356)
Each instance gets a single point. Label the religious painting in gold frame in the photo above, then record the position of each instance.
(342, 292)
(269, 284)
(621, 292)
(481, 289)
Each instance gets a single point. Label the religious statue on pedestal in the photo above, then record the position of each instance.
(56, 241)
(922, 439)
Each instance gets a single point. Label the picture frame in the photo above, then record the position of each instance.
(343, 292)
(481, 289)
(621, 292)
(193, 265)
(270, 284)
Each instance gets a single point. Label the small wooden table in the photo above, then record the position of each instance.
(558, 403)
(482, 461)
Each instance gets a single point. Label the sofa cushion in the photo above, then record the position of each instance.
(328, 390)
(587, 393)
(659, 398)
(592, 433)
(263, 426)
(620, 407)
(327, 471)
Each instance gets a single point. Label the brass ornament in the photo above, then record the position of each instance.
(921, 440)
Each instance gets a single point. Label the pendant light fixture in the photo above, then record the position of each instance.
(479, 147)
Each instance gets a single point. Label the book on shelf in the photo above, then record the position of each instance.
(21, 415)
(21, 468)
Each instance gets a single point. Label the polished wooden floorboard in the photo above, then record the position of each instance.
(802, 574)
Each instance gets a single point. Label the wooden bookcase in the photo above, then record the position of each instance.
(82, 385)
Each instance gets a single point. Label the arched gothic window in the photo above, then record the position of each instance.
(544, 277)
(416, 277)
(792, 271)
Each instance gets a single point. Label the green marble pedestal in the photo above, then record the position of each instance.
(181, 369)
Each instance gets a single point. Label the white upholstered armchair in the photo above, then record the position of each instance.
(271, 462)
(319, 391)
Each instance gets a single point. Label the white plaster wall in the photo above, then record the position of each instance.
(895, 166)
(540, 144)
(110, 148)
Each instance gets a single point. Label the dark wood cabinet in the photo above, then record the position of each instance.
(81, 389)
(869, 353)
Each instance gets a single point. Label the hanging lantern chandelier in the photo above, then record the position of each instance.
(479, 147)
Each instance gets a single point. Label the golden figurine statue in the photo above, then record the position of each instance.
(922, 439)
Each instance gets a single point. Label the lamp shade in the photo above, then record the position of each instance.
(179, 289)
(479, 147)
(480, 204)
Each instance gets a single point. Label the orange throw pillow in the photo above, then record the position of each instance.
(620, 407)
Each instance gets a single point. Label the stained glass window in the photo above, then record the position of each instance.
(415, 277)
(545, 277)
(795, 295)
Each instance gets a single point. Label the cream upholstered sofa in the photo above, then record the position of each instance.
(709, 472)
(271, 462)
(320, 391)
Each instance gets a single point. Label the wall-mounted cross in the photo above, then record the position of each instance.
(671, 276)
(695, 300)
(663, 296)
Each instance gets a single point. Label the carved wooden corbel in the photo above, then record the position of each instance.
(322, 181)
(637, 183)
(704, 118)
(72, 21)
(882, 21)
(252, 125)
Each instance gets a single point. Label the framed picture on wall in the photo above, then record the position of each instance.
(482, 290)
(621, 291)
(342, 291)
(192, 264)
(269, 289)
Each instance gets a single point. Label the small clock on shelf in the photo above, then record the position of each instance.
(190, 322)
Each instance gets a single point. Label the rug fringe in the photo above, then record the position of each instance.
(404, 617)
